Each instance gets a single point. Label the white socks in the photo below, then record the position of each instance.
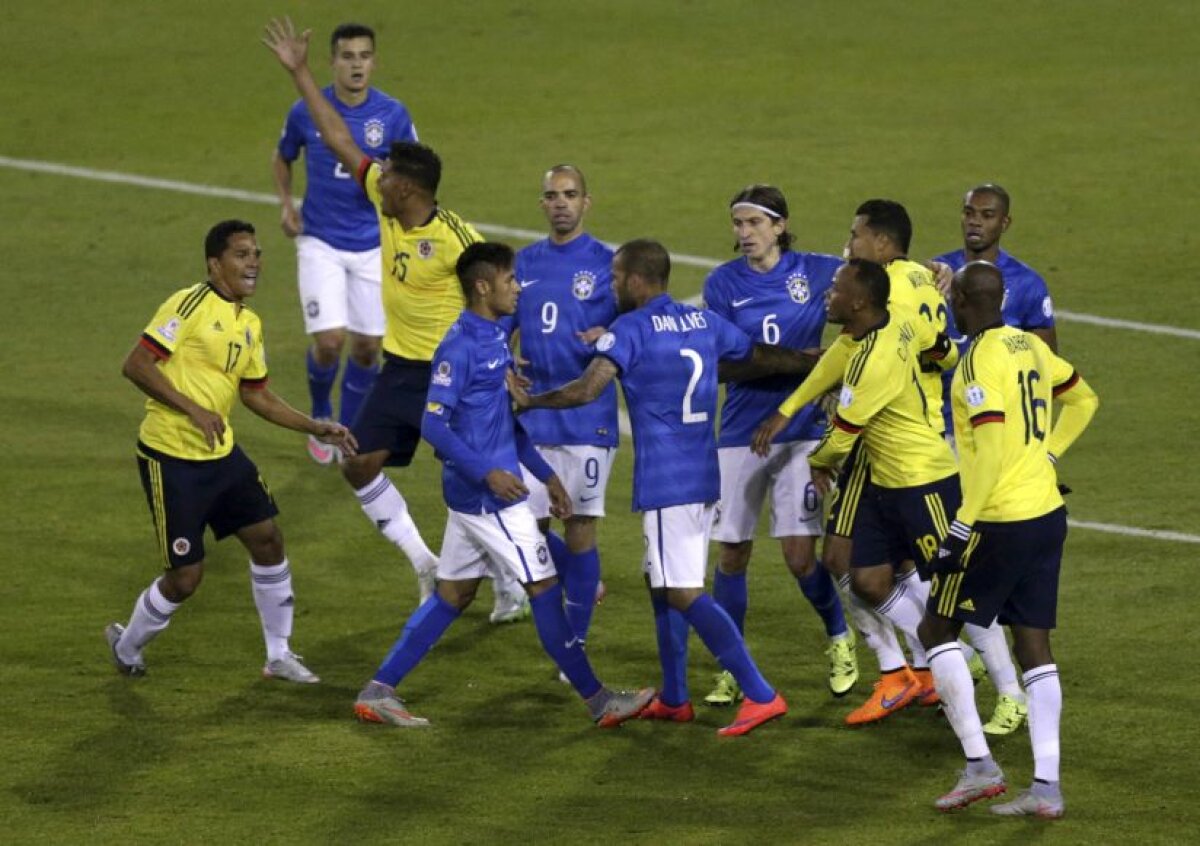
(151, 613)
(1045, 708)
(992, 647)
(953, 682)
(906, 615)
(876, 631)
(272, 587)
(386, 508)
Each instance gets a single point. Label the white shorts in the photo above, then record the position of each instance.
(508, 538)
(745, 481)
(677, 545)
(584, 472)
(339, 289)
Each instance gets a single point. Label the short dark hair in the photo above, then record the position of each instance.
(996, 191)
(572, 169)
(889, 218)
(647, 258)
(482, 260)
(769, 197)
(217, 239)
(348, 31)
(418, 162)
(874, 279)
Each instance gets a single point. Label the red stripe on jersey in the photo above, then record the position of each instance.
(256, 384)
(987, 417)
(361, 174)
(1067, 385)
(845, 425)
(160, 352)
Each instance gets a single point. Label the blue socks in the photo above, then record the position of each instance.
(356, 384)
(818, 588)
(724, 641)
(580, 576)
(671, 630)
(562, 644)
(730, 594)
(423, 629)
(320, 385)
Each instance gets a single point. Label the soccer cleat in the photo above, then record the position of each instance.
(726, 692)
(1030, 804)
(322, 453)
(1009, 716)
(290, 668)
(510, 609)
(378, 703)
(927, 694)
(112, 633)
(896, 690)
(624, 705)
(843, 665)
(977, 667)
(971, 788)
(659, 710)
(426, 584)
(753, 714)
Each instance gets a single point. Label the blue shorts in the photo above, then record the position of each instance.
(901, 524)
(851, 481)
(1010, 573)
(184, 496)
(390, 417)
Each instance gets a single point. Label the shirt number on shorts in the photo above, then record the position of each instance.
(591, 471)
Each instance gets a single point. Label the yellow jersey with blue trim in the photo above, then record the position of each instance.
(1008, 379)
(883, 401)
(208, 347)
(914, 291)
(421, 294)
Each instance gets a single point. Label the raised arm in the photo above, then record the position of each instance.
(292, 51)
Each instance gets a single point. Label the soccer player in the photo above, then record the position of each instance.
(469, 420)
(420, 242)
(1002, 554)
(203, 348)
(566, 302)
(337, 239)
(666, 355)
(1026, 305)
(776, 296)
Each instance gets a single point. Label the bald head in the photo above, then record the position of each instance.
(976, 296)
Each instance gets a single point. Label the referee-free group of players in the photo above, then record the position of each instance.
(919, 448)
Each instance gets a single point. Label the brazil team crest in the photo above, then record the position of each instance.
(373, 133)
(441, 375)
(425, 248)
(797, 288)
(583, 284)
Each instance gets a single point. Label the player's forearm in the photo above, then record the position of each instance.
(281, 170)
(334, 133)
(766, 360)
(825, 375)
(571, 395)
(274, 409)
(1079, 407)
(985, 471)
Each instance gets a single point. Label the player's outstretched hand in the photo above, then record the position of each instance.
(328, 432)
(518, 389)
(505, 485)
(560, 500)
(948, 558)
(823, 480)
(281, 39)
(760, 444)
(942, 276)
(210, 425)
(592, 334)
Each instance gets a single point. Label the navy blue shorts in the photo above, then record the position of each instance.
(1010, 573)
(390, 417)
(184, 496)
(851, 482)
(901, 524)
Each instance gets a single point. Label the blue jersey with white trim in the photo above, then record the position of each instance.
(468, 394)
(783, 307)
(1027, 305)
(565, 289)
(667, 354)
(336, 209)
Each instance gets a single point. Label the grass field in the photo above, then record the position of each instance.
(1080, 109)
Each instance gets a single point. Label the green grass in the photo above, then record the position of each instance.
(1080, 109)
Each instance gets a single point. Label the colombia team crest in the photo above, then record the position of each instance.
(373, 133)
(583, 284)
(797, 288)
(425, 248)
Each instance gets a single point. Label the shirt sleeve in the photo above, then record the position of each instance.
(528, 455)
(620, 344)
(1037, 308)
(255, 375)
(450, 373)
(984, 398)
(1079, 401)
(860, 400)
(291, 138)
(732, 343)
(368, 174)
(824, 377)
(167, 329)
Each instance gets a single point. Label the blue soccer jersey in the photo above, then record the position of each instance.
(667, 354)
(565, 289)
(1027, 305)
(782, 307)
(336, 209)
(468, 416)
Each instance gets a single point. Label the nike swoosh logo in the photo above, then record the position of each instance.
(494, 363)
(525, 283)
(888, 704)
(589, 498)
(741, 302)
(570, 643)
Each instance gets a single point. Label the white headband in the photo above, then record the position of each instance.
(768, 212)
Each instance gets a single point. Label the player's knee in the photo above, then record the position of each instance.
(681, 599)
(327, 346)
(800, 561)
(535, 589)
(735, 558)
(934, 631)
(1032, 651)
(460, 594)
(360, 470)
(580, 533)
(364, 350)
(871, 587)
(179, 584)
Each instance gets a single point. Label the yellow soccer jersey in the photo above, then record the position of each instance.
(421, 293)
(1006, 381)
(209, 346)
(882, 399)
(913, 289)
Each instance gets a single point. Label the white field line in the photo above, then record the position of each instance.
(57, 169)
